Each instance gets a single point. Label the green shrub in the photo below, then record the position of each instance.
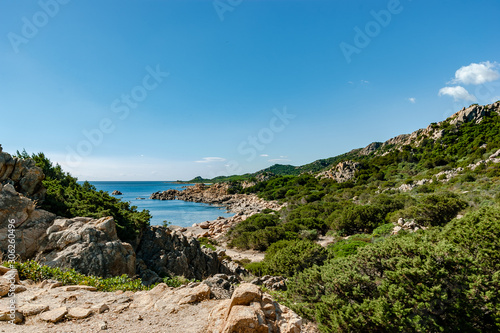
(207, 242)
(308, 234)
(256, 268)
(357, 218)
(435, 281)
(36, 272)
(287, 258)
(435, 209)
(344, 248)
(383, 230)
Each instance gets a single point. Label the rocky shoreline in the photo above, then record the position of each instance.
(242, 205)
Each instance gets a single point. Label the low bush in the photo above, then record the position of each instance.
(36, 272)
(434, 281)
(288, 257)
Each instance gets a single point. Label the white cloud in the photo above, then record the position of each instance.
(412, 100)
(211, 159)
(365, 82)
(457, 93)
(264, 155)
(279, 160)
(477, 73)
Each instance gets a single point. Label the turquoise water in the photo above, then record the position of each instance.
(181, 213)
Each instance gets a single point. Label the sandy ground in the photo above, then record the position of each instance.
(187, 318)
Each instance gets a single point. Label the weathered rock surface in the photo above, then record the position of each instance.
(221, 285)
(167, 253)
(408, 225)
(342, 172)
(24, 175)
(270, 282)
(55, 315)
(30, 223)
(473, 113)
(90, 246)
(187, 309)
(249, 311)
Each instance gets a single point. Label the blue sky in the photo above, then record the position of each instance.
(165, 90)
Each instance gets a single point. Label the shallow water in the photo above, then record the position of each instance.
(181, 213)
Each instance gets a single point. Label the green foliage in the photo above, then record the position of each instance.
(66, 197)
(383, 230)
(36, 272)
(420, 282)
(435, 209)
(176, 281)
(344, 248)
(288, 257)
(259, 231)
(356, 218)
(207, 242)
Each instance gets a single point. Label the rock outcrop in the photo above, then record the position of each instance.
(242, 205)
(23, 174)
(90, 246)
(474, 113)
(446, 175)
(251, 311)
(30, 223)
(218, 194)
(163, 252)
(342, 172)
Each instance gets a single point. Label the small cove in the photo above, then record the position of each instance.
(181, 213)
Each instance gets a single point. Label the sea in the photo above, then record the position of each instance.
(177, 212)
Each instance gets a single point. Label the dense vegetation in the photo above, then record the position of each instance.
(442, 279)
(443, 276)
(433, 281)
(37, 273)
(66, 197)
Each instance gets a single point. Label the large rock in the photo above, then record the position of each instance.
(342, 172)
(473, 113)
(23, 174)
(249, 311)
(167, 253)
(30, 223)
(90, 246)
(55, 315)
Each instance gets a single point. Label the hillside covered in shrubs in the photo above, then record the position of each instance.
(414, 232)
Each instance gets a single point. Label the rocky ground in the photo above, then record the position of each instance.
(91, 246)
(196, 307)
